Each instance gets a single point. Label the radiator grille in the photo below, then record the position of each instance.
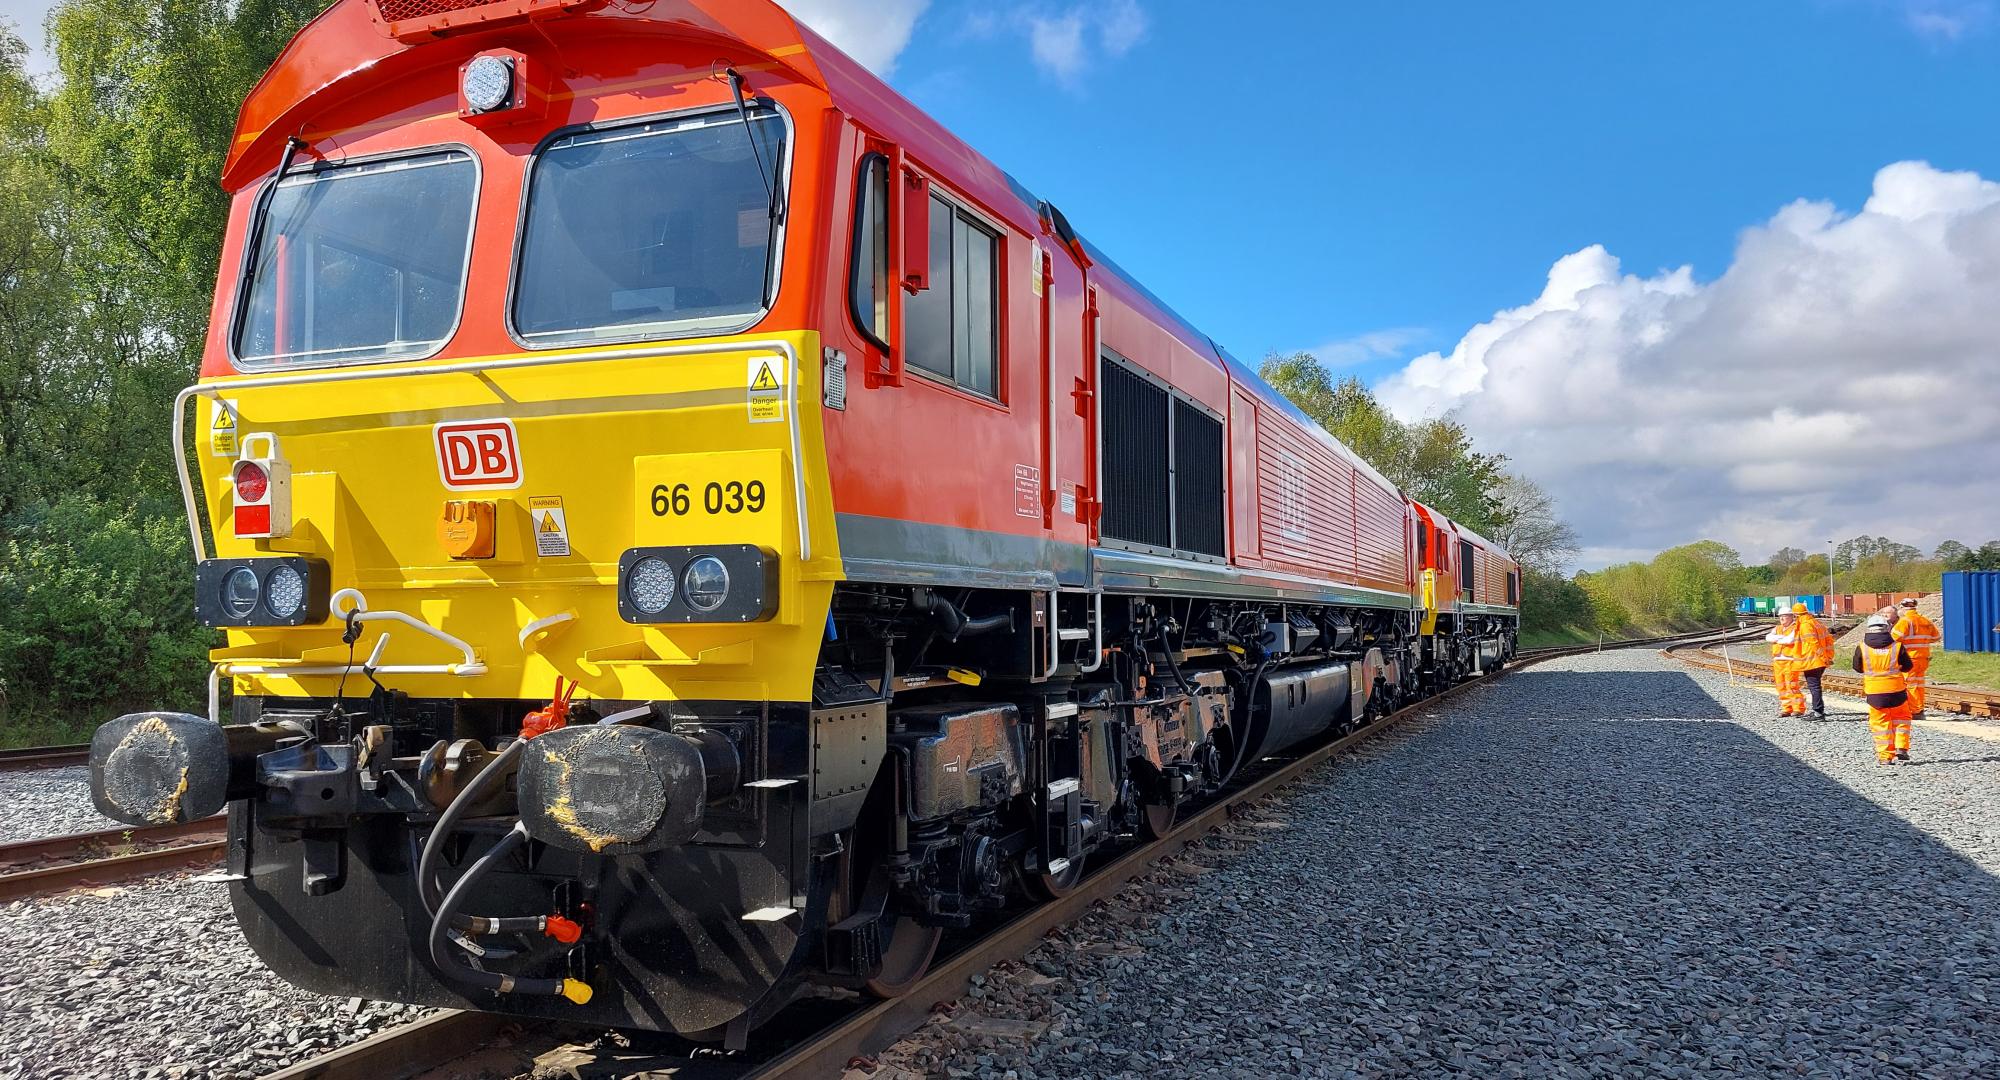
(1197, 480)
(405, 10)
(1136, 478)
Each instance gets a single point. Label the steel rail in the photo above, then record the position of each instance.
(24, 758)
(438, 1040)
(110, 864)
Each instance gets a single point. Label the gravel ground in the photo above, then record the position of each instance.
(48, 802)
(154, 980)
(1607, 865)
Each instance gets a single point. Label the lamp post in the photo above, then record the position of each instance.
(1829, 575)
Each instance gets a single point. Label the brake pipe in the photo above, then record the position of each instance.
(446, 958)
(447, 823)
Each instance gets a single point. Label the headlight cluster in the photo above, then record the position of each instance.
(287, 591)
(726, 584)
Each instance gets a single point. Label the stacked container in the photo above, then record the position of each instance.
(1971, 608)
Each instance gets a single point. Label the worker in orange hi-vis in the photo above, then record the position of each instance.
(1815, 649)
(1918, 636)
(1785, 670)
(1884, 665)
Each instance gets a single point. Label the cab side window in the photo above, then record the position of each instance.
(868, 284)
(952, 331)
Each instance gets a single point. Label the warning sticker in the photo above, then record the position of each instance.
(1067, 499)
(765, 390)
(1035, 267)
(551, 527)
(1027, 491)
(222, 426)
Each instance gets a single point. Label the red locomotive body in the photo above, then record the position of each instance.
(909, 550)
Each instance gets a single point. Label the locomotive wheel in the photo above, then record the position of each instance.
(907, 948)
(1045, 886)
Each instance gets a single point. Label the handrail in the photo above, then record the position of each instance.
(480, 367)
(468, 666)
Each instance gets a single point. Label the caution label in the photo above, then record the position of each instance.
(765, 390)
(222, 426)
(551, 527)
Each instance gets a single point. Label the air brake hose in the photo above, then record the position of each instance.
(447, 823)
(447, 959)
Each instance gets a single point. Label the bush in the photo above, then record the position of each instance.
(99, 612)
(1552, 604)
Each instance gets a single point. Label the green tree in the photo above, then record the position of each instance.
(1530, 529)
(1954, 555)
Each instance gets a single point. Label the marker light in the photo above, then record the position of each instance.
(705, 583)
(284, 592)
(488, 83)
(251, 482)
(651, 585)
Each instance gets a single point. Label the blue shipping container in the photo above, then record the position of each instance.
(1746, 605)
(1971, 608)
(1814, 604)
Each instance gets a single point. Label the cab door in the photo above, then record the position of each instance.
(1060, 279)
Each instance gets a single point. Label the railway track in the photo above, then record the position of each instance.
(437, 1041)
(57, 863)
(24, 758)
(1979, 704)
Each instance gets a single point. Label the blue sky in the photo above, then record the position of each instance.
(1308, 173)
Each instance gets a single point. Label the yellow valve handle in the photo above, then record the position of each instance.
(577, 991)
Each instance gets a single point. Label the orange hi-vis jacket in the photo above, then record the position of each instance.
(1915, 632)
(1882, 670)
(1815, 648)
(1784, 647)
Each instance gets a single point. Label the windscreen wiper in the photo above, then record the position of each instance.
(771, 188)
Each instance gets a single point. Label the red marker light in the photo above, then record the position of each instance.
(251, 482)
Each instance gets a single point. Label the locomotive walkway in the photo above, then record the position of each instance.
(1605, 865)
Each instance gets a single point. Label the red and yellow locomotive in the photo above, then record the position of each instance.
(686, 527)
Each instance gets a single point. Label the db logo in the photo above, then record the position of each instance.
(475, 454)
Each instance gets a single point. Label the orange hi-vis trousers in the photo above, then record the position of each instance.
(1913, 679)
(1892, 730)
(1791, 688)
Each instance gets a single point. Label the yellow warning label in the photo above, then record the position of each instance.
(222, 428)
(765, 391)
(551, 526)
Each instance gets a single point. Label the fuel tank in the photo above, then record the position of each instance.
(1292, 705)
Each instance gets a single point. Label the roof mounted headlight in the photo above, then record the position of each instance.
(488, 83)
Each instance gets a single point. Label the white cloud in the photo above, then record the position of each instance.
(873, 32)
(1946, 20)
(1842, 376)
(1373, 345)
(1066, 40)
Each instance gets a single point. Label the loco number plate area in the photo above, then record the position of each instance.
(735, 497)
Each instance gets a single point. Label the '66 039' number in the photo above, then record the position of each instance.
(730, 497)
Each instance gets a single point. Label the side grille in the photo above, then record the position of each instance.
(404, 10)
(1136, 476)
(1197, 480)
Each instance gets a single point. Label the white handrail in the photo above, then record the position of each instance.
(479, 367)
(468, 666)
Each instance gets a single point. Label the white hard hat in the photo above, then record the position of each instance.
(1877, 620)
